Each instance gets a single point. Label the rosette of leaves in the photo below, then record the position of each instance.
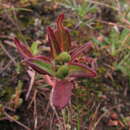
(63, 62)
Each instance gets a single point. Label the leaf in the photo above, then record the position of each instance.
(86, 47)
(43, 58)
(54, 45)
(124, 34)
(59, 39)
(62, 35)
(23, 49)
(34, 48)
(40, 65)
(80, 70)
(62, 93)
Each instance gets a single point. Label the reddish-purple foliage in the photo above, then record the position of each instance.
(65, 62)
(62, 93)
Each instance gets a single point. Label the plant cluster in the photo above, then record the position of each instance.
(64, 64)
(82, 9)
(117, 44)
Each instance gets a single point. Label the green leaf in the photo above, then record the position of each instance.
(41, 66)
(124, 33)
(34, 47)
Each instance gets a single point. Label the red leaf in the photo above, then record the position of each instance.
(62, 93)
(59, 39)
(81, 70)
(54, 45)
(86, 47)
(42, 58)
(60, 21)
(62, 35)
(23, 49)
